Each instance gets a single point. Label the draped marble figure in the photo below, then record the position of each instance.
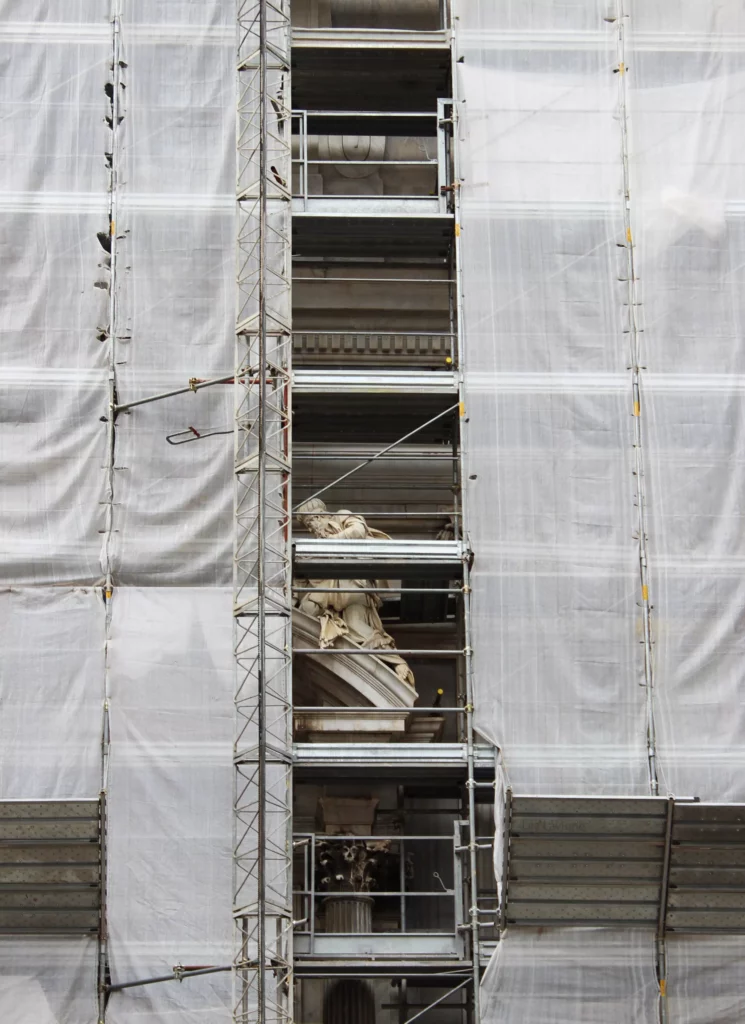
(352, 615)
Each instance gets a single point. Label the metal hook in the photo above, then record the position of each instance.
(436, 874)
(192, 434)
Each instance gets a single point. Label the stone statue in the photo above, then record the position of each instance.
(353, 615)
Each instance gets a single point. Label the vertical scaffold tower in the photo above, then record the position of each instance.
(262, 569)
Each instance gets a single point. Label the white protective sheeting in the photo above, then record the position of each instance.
(51, 711)
(52, 203)
(48, 981)
(170, 801)
(176, 292)
(51, 692)
(572, 976)
(550, 496)
(705, 979)
(166, 664)
(53, 393)
(688, 193)
(170, 787)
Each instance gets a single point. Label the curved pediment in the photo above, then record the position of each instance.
(349, 679)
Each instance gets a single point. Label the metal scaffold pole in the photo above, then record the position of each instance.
(262, 555)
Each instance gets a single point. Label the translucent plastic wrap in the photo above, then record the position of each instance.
(704, 979)
(550, 438)
(176, 293)
(52, 381)
(51, 693)
(48, 980)
(163, 659)
(688, 120)
(552, 452)
(171, 666)
(572, 976)
(603, 245)
(170, 801)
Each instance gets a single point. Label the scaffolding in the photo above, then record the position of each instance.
(345, 232)
(201, 781)
(263, 810)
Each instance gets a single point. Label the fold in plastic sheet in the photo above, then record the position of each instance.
(572, 976)
(48, 980)
(51, 692)
(170, 800)
(705, 979)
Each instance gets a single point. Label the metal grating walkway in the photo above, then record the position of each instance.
(661, 863)
(50, 866)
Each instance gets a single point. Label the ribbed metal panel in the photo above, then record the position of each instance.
(589, 861)
(668, 865)
(50, 866)
(707, 869)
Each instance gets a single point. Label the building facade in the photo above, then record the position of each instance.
(371, 606)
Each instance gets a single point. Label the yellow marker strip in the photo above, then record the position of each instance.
(113, 227)
(663, 987)
(645, 593)
(461, 408)
(621, 68)
(637, 409)
(628, 234)
(457, 230)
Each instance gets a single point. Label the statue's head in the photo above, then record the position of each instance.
(312, 514)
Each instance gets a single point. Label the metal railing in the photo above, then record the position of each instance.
(396, 905)
(439, 186)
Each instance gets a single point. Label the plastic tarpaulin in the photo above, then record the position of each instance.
(688, 119)
(51, 692)
(53, 393)
(704, 979)
(171, 663)
(572, 976)
(550, 439)
(77, 322)
(170, 800)
(53, 388)
(48, 980)
(602, 141)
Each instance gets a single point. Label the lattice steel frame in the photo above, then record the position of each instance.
(262, 907)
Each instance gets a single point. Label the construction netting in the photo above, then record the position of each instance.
(603, 242)
(124, 293)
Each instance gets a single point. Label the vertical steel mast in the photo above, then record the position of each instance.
(262, 568)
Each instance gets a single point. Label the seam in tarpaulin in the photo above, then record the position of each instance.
(636, 368)
(634, 333)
